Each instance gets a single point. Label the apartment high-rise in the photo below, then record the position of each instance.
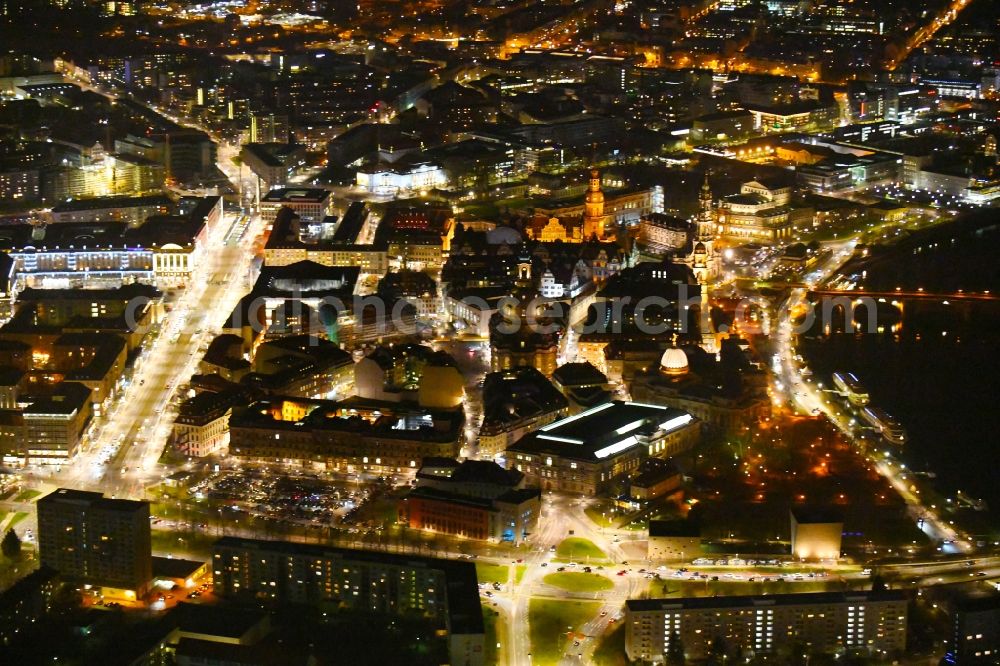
(291, 573)
(868, 623)
(96, 540)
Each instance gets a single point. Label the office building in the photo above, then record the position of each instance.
(95, 540)
(721, 126)
(134, 211)
(272, 163)
(55, 424)
(311, 204)
(187, 156)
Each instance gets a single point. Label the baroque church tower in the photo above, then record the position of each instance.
(705, 262)
(593, 206)
(704, 258)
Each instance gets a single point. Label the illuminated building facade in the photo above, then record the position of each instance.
(475, 499)
(330, 242)
(660, 233)
(312, 205)
(350, 436)
(132, 210)
(391, 179)
(816, 533)
(417, 238)
(54, 425)
(761, 213)
(865, 623)
(578, 220)
(165, 251)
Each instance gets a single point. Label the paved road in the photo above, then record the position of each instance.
(809, 398)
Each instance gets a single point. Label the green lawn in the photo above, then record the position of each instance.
(519, 573)
(601, 518)
(672, 587)
(492, 573)
(194, 543)
(27, 495)
(611, 649)
(549, 623)
(576, 548)
(18, 517)
(573, 581)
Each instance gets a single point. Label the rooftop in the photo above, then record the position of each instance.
(817, 515)
(67, 399)
(578, 374)
(674, 528)
(226, 622)
(297, 195)
(807, 598)
(97, 203)
(603, 431)
(174, 567)
(91, 499)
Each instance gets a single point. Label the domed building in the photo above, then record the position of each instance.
(727, 392)
(674, 362)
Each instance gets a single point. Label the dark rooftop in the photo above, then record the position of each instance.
(817, 514)
(674, 528)
(173, 567)
(297, 195)
(635, 605)
(93, 499)
(578, 374)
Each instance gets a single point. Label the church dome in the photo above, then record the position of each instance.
(674, 362)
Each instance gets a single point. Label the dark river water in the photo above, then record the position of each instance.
(938, 369)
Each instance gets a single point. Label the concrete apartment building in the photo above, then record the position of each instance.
(95, 540)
